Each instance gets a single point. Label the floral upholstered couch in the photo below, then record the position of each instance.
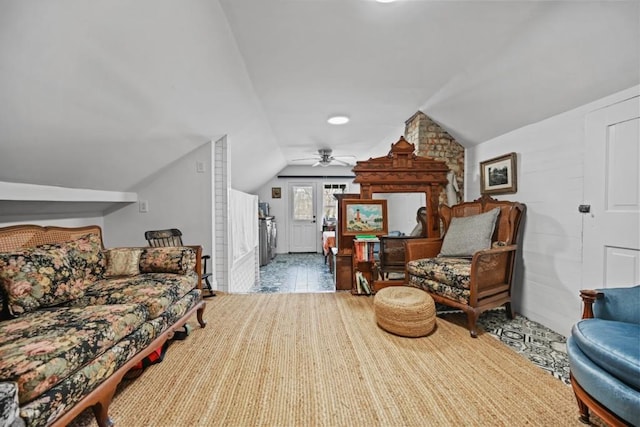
(76, 316)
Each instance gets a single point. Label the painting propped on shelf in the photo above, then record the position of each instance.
(364, 216)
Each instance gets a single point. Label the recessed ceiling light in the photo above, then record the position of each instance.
(385, 1)
(338, 120)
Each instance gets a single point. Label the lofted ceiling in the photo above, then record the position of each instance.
(102, 94)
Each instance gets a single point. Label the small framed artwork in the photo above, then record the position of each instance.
(499, 175)
(276, 192)
(364, 216)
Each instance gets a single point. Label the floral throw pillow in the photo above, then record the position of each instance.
(86, 256)
(38, 277)
(122, 262)
(179, 260)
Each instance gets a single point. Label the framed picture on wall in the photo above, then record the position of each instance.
(364, 216)
(276, 192)
(499, 175)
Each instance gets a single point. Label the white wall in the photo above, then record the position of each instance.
(550, 182)
(279, 207)
(178, 196)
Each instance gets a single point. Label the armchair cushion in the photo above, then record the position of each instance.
(469, 234)
(615, 395)
(448, 271)
(612, 345)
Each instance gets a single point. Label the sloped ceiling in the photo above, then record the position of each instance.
(102, 94)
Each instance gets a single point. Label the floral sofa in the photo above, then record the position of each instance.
(76, 317)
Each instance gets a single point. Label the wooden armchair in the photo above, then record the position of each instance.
(475, 278)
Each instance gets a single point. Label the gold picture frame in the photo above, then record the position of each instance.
(499, 175)
(364, 216)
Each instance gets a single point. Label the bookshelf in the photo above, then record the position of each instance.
(343, 265)
(364, 264)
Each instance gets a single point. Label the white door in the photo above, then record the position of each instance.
(612, 188)
(303, 230)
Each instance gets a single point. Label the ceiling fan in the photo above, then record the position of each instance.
(324, 158)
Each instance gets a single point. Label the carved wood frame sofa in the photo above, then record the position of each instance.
(77, 317)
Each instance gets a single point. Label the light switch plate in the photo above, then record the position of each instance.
(143, 206)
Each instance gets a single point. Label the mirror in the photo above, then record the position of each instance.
(401, 209)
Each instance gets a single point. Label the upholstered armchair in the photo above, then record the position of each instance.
(471, 267)
(604, 356)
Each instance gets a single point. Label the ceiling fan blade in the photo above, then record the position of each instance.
(306, 158)
(342, 162)
(318, 163)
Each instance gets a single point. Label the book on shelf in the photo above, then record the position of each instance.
(363, 251)
(366, 238)
(362, 284)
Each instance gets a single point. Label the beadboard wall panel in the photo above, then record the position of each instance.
(551, 183)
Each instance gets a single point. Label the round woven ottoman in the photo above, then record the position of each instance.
(405, 311)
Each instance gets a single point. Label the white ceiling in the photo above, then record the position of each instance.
(102, 94)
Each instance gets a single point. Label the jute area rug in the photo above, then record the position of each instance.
(321, 360)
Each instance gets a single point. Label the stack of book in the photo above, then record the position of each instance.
(362, 284)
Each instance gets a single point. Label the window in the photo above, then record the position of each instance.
(329, 203)
(303, 203)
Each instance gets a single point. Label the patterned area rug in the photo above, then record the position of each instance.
(542, 346)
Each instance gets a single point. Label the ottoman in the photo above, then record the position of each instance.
(405, 311)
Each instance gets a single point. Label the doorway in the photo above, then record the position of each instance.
(611, 236)
(303, 228)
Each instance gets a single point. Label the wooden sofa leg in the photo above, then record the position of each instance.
(582, 407)
(472, 319)
(101, 411)
(199, 315)
(509, 310)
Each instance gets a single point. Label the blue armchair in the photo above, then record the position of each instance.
(604, 356)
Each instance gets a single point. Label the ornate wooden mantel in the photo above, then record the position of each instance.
(402, 171)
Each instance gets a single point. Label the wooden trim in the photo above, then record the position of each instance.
(586, 403)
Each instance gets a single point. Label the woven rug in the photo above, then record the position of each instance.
(321, 360)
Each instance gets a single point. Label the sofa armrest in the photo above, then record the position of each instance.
(422, 248)
(493, 267)
(619, 304)
(199, 258)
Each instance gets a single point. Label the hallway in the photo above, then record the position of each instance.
(305, 272)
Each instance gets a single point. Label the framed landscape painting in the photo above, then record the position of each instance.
(364, 216)
(498, 175)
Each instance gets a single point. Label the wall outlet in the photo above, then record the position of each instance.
(200, 167)
(143, 206)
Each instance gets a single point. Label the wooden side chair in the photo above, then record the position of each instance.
(471, 268)
(173, 237)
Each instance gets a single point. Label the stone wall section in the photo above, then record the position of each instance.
(433, 141)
